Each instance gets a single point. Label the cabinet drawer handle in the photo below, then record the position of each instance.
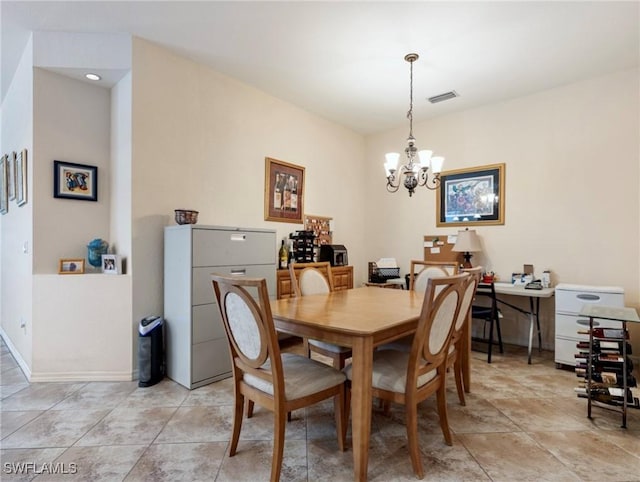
(588, 297)
(238, 237)
(238, 272)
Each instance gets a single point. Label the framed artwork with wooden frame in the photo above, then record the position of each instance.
(471, 197)
(283, 191)
(75, 181)
(71, 266)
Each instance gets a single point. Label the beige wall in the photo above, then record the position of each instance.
(199, 142)
(572, 185)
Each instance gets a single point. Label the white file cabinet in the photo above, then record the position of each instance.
(196, 344)
(569, 301)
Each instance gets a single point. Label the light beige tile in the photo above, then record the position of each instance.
(124, 426)
(628, 440)
(40, 396)
(478, 416)
(104, 463)
(12, 376)
(167, 393)
(591, 455)
(54, 428)
(198, 424)
(25, 464)
(253, 459)
(194, 462)
(12, 421)
(98, 395)
(515, 456)
(218, 393)
(8, 390)
(539, 414)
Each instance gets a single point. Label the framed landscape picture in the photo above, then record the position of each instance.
(283, 191)
(472, 196)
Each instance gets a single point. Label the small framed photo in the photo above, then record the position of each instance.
(71, 266)
(111, 264)
(75, 181)
(4, 184)
(21, 178)
(12, 176)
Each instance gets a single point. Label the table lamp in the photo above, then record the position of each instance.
(467, 242)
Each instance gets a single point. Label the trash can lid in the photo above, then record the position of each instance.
(148, 324)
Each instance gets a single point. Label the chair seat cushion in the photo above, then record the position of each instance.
(390, 371)
(330, 346)
(402, 344)
(302, 377)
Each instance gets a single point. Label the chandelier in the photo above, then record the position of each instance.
(416, 171)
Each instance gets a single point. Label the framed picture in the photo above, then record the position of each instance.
(21, 178)
(4, 184)
(75, 181)
(71, 266)
(283, 191)
(111, 264)
(470, 197)
(11, 174)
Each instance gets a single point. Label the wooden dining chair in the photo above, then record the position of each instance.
(409, 378)
(420, 271)
(280, 382)
(312, 279)
(454, 358)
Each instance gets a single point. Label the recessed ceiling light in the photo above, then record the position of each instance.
(92, 76)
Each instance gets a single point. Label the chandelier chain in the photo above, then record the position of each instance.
(410, 113)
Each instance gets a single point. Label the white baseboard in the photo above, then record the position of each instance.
(82, 377)
(16, 355)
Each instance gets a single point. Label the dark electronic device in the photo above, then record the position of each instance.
(336, 254)
(534, 285)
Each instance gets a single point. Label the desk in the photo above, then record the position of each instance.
(361, 318)
(534, 308)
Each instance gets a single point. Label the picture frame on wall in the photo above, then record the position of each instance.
(75, 181)
(283, 191)
(71, 266)
(471, 197)
(21, 178)
(111, 264)
(11, 174)
(4, 195)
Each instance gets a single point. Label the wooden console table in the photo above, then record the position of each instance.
(342, 280)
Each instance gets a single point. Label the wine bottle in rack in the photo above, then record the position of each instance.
(609, 378)
(615, 333)
(601, 346)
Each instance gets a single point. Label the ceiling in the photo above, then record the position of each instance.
(344, 60)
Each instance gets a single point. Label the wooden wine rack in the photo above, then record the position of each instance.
(624, 315)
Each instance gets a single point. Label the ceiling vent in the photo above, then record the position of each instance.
(442, 97)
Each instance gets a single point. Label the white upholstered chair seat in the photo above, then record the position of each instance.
(390, 371)
(302, 377)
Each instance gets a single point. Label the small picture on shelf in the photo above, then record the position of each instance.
(71, 266)
(111, 264)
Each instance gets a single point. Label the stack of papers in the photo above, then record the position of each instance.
(387, 263)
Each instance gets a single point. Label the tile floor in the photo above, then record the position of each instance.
(522, 422)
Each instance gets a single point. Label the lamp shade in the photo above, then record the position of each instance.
(468, 242)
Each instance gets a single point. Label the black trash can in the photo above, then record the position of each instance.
(150, 351)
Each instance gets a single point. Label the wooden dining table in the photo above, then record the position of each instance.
(361, 318)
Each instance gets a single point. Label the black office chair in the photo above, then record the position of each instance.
(490, 315)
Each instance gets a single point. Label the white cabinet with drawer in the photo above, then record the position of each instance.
(196, 345)
(569, 301)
